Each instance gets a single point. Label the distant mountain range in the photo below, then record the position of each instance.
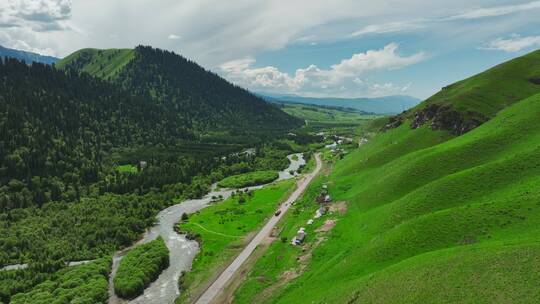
(380, 105)
(27, 57)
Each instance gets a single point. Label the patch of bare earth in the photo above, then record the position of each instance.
(338, 207)
(327, 226)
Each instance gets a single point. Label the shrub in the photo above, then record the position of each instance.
(249, 179)
(140, 267)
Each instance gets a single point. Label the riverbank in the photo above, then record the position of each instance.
(225, 277)
(222, 231)
(182, 251)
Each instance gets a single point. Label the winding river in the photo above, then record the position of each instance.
(182, 251)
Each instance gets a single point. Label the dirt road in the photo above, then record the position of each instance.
(217, 286)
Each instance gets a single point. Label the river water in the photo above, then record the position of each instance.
(182, 251)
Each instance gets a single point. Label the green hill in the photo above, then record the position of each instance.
(201, 100)
(433, 218)
(102, 63)
(466, 104)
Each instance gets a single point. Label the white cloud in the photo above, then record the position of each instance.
(388, 88)
(496, 11)
(515, 43)
(173, 37)
(36, 14)
(42, 10)
(30, 24)
(344, 76)
(391, 27)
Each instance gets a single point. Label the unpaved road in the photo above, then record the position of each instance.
(217, 286)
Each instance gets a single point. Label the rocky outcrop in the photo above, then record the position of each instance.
(440, 117)
(535, 80)
(393, 122)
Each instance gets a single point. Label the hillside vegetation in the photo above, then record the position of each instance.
(84, 284)
(431, 218)
(105, 64)
(86, 164)
(466, 104)
(202, 101)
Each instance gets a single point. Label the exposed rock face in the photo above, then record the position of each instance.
(393, 122)
(440, 117)
(535, 80)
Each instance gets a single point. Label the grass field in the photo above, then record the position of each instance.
(127, 169)
(328, 119)
(248, 179)
(281, 257)
(100, 63)
(466, 207)
(222, 229)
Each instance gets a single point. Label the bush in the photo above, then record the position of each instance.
(140, 267)
(249, 179)
(78, 284)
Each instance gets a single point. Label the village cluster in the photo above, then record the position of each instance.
(324, 199)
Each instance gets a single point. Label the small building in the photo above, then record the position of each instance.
(310, 222)
(332, 146)
(299, 238)
(320, 212)
(143, 164)
(325, 186)
(327, 198)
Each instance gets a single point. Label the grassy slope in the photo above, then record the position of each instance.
(101, 63)
(490, 91)
(431, 218)
(223, 227)
(470, 205)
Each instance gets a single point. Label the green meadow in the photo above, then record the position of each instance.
(223, 229)
(127, 169)
(319, 118)
(105, 64)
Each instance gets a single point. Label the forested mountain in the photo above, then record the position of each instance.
(379, 105)
(27, 57)
(56, 129)
(201, 100)
(464, 105)
(65, 140)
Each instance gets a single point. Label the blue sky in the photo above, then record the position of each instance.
(344, 48)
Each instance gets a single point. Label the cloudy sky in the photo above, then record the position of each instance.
(347, 48)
